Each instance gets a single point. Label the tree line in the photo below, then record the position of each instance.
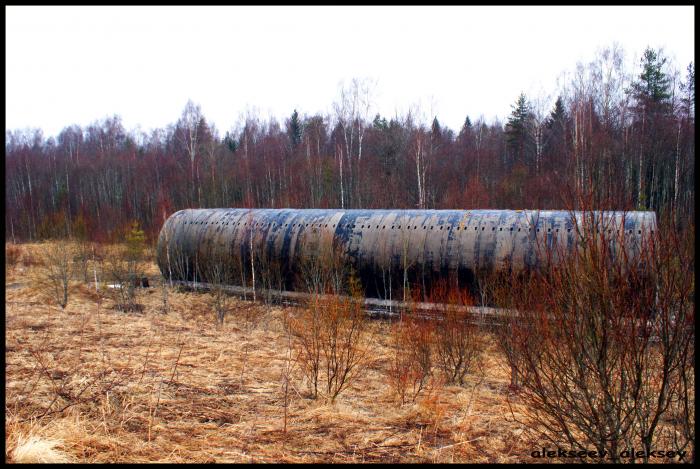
(626, 138)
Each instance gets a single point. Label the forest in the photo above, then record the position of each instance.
(624, 138)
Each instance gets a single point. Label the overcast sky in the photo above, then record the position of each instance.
(74, 65)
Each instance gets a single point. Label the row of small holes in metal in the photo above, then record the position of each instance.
(415, 227)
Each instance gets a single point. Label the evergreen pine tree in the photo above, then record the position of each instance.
(518, 133)
(688, 90)
(555, 133)
(230, 142)
(294, 129)
(467, 124)
(380, 123)
(652, 96)
(558, 115)
(652, 90)
(435, 129)
(655, 80)
(466, 129)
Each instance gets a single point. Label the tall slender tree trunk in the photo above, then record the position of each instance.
(641, 161)
(577, 181)
(252, 261)
(478, 151)
(339, 151)
(31, 201)
(676, 176)
(420, 172)
(538, 148)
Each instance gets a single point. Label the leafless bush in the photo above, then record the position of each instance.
(83, 254)
(344, 343)
(269, 274)
(58, 261)
(325, 268)
(500, 287)
(165, 296)
(458, 343)
(290, 363)
(331, 338)
(126, 269)
(218, 278)
(177, 264)
(604, 342)
(123, 287)
(411, 363)
(432, 406)
(307, 330)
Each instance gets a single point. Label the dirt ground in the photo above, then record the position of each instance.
(100, 385)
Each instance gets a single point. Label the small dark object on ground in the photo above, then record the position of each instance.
(140, 282)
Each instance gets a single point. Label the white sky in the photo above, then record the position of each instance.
(74, 65)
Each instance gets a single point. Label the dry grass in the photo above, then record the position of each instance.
(34, 449)
(92, 384)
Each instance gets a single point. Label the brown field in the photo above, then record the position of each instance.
(93, 384)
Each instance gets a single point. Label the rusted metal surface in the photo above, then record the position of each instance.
(383, 247)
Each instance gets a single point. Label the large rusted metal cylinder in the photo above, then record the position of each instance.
(384, 248)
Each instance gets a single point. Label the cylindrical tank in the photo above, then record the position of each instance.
(384, 248)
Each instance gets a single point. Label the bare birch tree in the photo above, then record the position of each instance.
(539, 106)
(189, 124)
